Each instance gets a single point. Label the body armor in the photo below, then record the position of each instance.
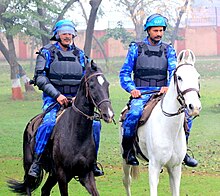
(65, 72)
(151, 66)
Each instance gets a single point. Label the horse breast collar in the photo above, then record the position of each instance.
(180, 97)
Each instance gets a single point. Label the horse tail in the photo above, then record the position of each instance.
(135, 172)
(29, 183)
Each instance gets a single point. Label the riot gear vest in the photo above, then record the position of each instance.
(151, 66)
(65, 71)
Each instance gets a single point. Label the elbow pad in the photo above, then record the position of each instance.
(44, 84)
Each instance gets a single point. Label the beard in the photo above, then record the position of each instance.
(155, 40)
(65, 45)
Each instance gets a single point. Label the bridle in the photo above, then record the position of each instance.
(88, 94)
(180, 95)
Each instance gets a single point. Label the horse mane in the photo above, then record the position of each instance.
(186, 57)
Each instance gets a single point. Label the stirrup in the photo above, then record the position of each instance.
(190, 161)
(97, 171)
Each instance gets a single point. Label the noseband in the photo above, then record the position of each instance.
(180, 94)
(88, 94)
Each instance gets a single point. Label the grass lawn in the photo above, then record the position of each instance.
(203, 180)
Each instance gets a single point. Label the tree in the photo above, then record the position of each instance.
(181, 12)
(90, 25)
(17, 71)
(138, 10)
(119, 33)
(99, 43)
(35, 19)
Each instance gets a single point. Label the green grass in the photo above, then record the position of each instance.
(203, 180)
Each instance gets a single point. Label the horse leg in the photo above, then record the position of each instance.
(127, 177)
(89, 183)
(62, 182)
(175, 177)
(49, 184)
(154, 172)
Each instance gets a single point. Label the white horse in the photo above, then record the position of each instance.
(162, 139)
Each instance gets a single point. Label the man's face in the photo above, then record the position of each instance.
(156, 33)
(66, 38)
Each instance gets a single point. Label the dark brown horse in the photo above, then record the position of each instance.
(71, 151)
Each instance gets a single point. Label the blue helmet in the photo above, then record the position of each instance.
(63, 26)
(156, 20)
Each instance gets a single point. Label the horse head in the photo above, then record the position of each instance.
(97, 89)
(187, 78)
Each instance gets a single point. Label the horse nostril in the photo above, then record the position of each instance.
(191, 106)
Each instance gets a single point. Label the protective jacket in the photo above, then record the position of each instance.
(151, 65)
(59, 72)
(132, 64)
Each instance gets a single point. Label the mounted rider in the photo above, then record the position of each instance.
(152, 62)
(58, 72)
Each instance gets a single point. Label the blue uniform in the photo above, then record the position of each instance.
(128, 84)
(45, 129)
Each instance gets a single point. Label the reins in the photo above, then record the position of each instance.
(88, 94)
(78, 110)
(180, 94)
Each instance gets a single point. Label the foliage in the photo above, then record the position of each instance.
(118, 33)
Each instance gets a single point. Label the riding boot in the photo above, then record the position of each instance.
(128, 151)
(189, 161)
(96, 170)
(35, 169)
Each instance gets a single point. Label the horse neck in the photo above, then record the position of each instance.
(170, 102)
(84, 103)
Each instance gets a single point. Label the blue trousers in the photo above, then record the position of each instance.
(134, 114)
(45, 129)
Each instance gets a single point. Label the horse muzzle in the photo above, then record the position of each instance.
(194, 110)
(108, 116)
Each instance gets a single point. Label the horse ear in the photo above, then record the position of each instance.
(93, 65)
(186, 56)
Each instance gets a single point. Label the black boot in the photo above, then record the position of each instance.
(97, 171)
(189, 161)
(35, 168)
(129, 154)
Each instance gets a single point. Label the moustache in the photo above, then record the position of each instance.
(158, 37)
(67, 39)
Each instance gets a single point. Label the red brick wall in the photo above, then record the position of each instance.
(204, 41)
(22, 50)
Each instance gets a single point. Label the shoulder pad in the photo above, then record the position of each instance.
(132, 43)
(166, 44)
(76, 51)
(49, 46)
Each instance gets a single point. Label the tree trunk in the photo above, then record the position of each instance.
(97, 41)
(17, 70)
(182, 11)
(90, 26)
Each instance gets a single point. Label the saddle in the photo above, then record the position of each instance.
(35, 122)
(149, 106)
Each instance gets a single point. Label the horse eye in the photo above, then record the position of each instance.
(179, 78)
